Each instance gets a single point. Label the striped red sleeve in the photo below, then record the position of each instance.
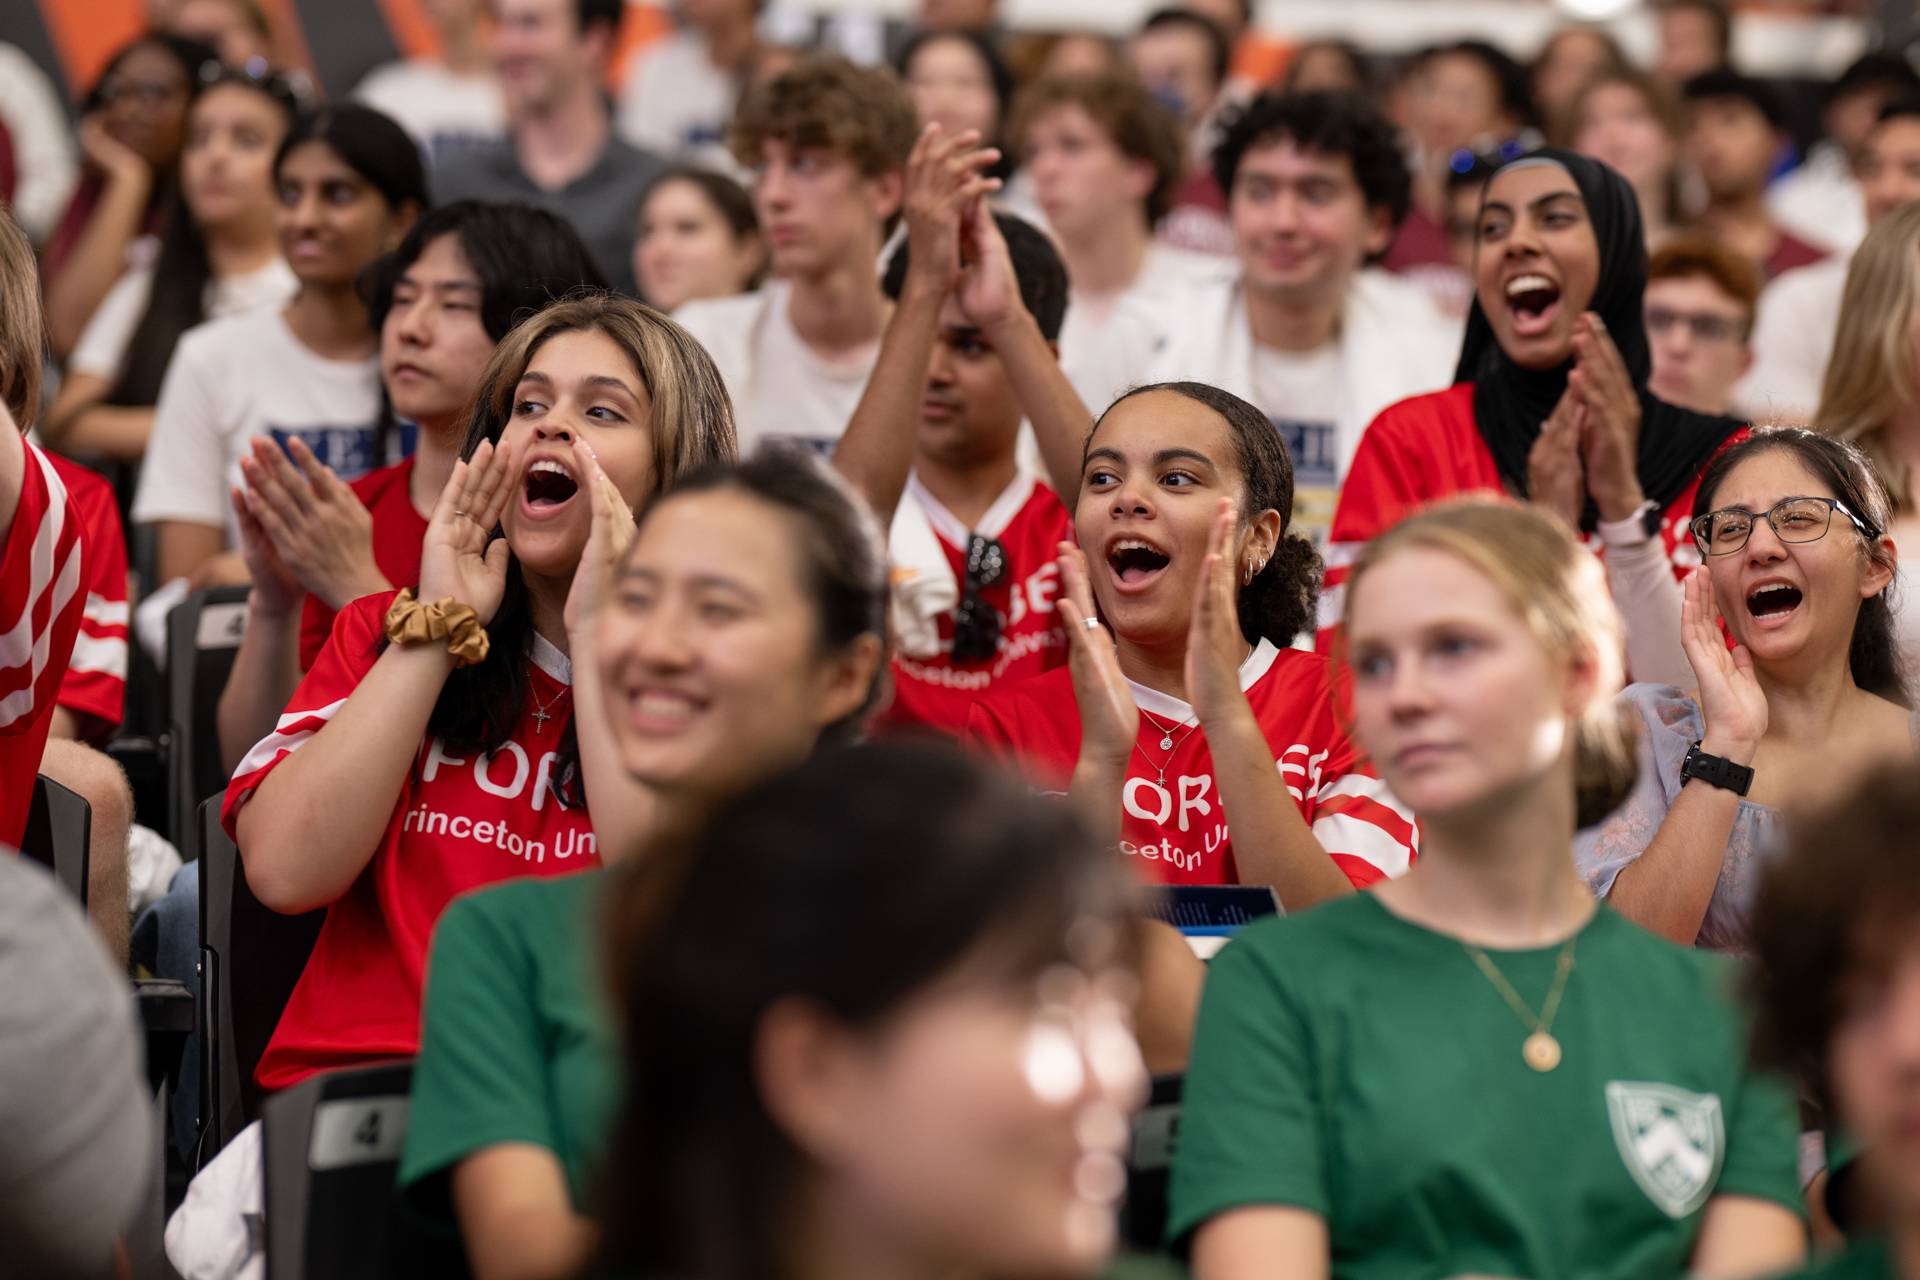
(1369, 834)
(41, 595)
(350, 652)
(96, 680)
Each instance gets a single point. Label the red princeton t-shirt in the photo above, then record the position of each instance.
(398, 531)
(461, 822)
(1427, 448)
(42, 591)
(1030, 522)
(96, 680)
(1172, 819)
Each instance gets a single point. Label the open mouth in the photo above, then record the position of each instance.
(1774, 600)
(549, 486)
(1134, 563)
(1533, 300)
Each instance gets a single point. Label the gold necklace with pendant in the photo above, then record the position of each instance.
(1539, 1050)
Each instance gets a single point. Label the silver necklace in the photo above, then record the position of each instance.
(1166, 734)
(1167, 744)
(540, 713)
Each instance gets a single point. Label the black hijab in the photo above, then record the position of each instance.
(1510, 402)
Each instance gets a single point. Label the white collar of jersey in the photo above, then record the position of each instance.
(1154, 702)
(992, 524)
(547, 656)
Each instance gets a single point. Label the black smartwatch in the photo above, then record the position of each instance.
(1715, 771)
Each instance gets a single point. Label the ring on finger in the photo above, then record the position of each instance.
(1090, 622)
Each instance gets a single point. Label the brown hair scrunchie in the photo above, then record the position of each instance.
(409, 622)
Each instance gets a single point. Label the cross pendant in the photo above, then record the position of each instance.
(540, 718)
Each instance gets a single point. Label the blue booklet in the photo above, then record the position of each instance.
(1213, 910)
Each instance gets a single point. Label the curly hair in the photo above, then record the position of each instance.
(1280, 601)
(1137, 122)
(1332, 123)
(826, 102)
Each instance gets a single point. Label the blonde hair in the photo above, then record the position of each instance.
(1560, 592)
(1870, 374)
(692, 419)
(23, 343)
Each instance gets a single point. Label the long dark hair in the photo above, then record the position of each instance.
(842, 552)
(1279, 603)
(863, 877)
(1873, 657)
(182, 269)
(691, 424)
(999, 77)
(370, 144)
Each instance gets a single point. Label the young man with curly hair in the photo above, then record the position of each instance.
(827, 142)
(1316, 185)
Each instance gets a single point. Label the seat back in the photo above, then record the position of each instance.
(203, 634)
(59, 834)
(1143, 1217)
(331, 1148)
(250, 959)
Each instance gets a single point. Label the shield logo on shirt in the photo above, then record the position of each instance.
(1672, 1142)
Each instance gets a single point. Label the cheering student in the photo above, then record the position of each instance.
(219, 255)
(1836, 978)
(1476, 1070)
(458, 283)
(1551, 402)
(1198, 714)
(1792, 528)
(933, 1037)
(746, 626)
(934, 444)
(350, 187)
(1316, 184)
(827, 142)
(445, 713)
(42, 553)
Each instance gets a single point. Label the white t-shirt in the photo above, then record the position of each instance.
(1107, 343)
(442, 110)
(782, 389)
(245, 376)
(676, 103)
(103, 343)
(1301, 393)
(1792, 341)
(1821, 202)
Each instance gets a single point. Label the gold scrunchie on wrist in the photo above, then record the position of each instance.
(409, 622)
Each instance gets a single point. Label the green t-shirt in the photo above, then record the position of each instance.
(1868, 1259)
(1358, 1066)
(515, 1044)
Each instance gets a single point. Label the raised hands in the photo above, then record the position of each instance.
(607, 542)
(989, 290)
(320, 532)
(276, 592)
(1555, 479)
(457, 560)
(1610, 430)
(1215, 645)
(1109, 718)
(1733, 707)
(944, 181)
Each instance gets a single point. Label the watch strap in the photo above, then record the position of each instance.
(1637, 528)
(1716, 771)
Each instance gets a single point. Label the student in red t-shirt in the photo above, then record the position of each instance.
(460, 280)
(1197, 714)
(404, 772)
(1551, 402)
(42, 577)
(969, 350)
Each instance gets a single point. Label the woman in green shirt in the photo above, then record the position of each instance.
(1476, 1069)
(1836, 978)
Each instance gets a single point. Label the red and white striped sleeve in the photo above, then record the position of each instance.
(349, 654)
(41, 595)
(96, 680)
(1368, 833)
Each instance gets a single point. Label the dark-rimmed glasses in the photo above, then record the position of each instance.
(976, 624)
(1721, 533)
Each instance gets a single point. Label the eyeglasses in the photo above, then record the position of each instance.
(1721, 533)
(1706, 326)
(976, 624)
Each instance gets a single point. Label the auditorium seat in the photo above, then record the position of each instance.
(1143, 1217)
(203, 635)
(59, 834)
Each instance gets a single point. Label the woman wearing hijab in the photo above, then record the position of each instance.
(1550, 402)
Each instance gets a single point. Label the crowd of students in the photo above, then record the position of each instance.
(759, 582)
